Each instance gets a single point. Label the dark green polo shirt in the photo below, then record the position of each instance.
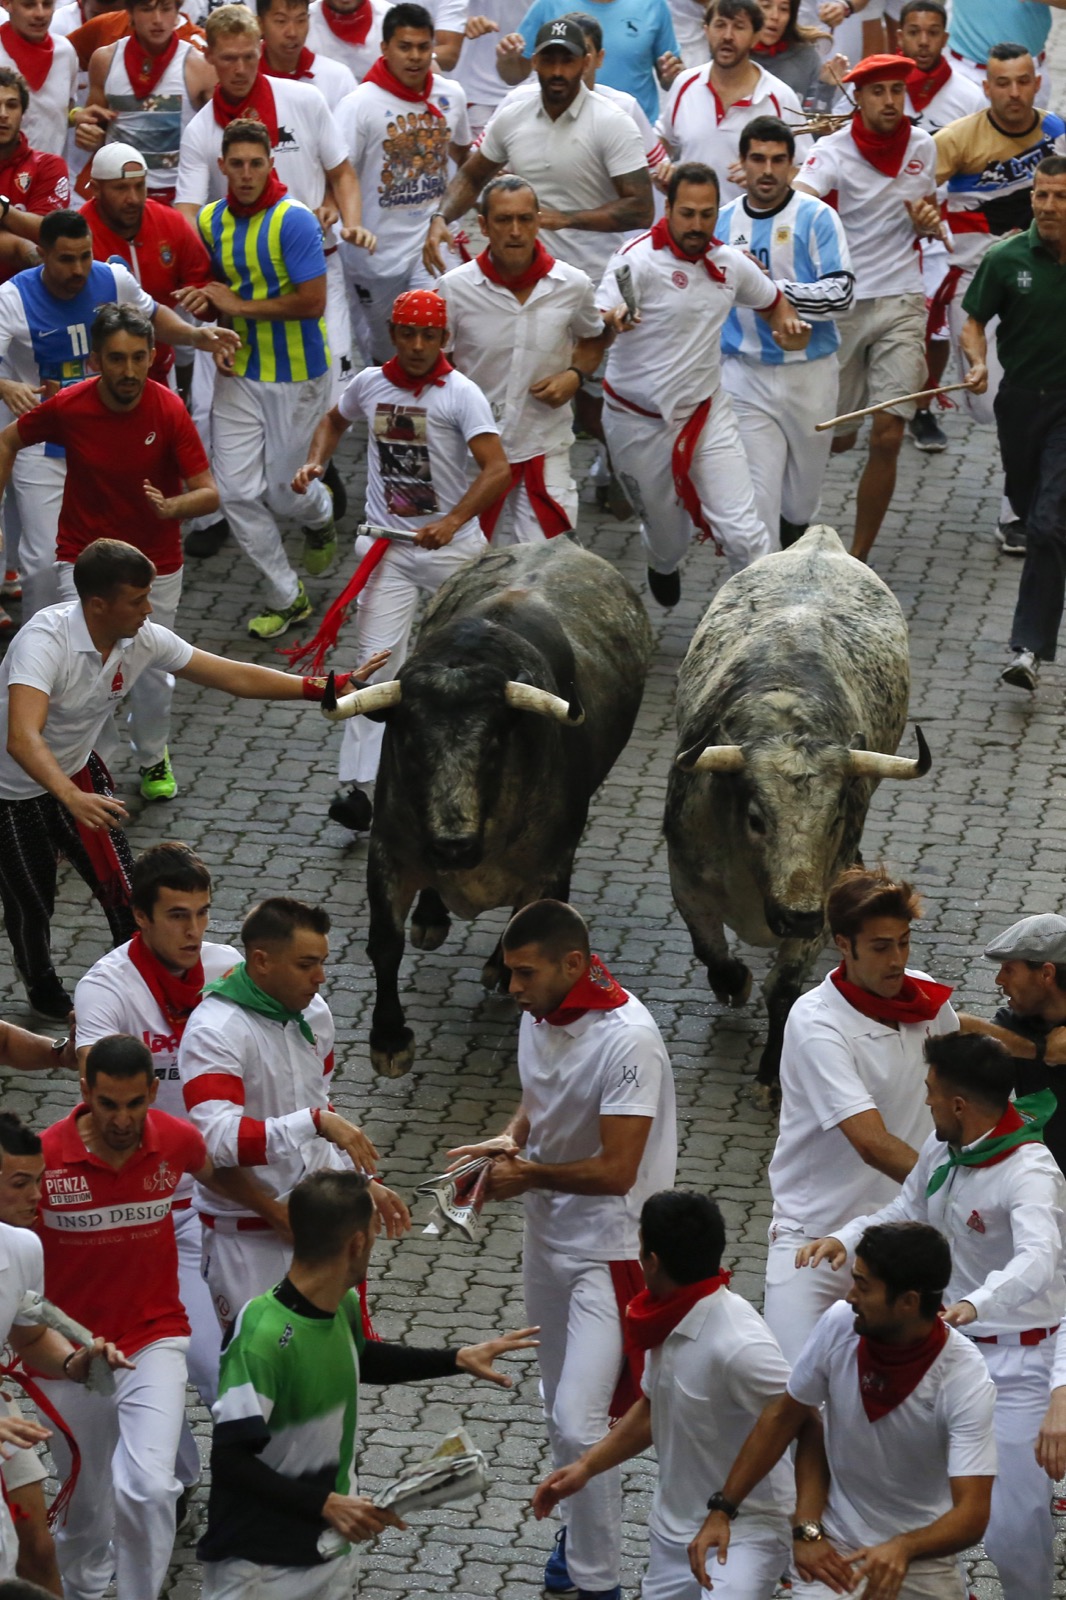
(1022, 283)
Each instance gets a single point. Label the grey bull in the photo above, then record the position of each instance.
(791, 702)
(517, 700)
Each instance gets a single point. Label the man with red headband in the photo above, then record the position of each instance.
(594, 1135)
(985, 1178)
(426, 420)
(878, 170)
(710, 1366)
(852, 1076)
(525, 328)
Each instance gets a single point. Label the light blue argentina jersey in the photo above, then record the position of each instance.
(802, 246)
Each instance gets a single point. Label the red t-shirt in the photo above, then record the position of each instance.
(33, 181)
(165, 255)
(109, 456)
(110, 1257)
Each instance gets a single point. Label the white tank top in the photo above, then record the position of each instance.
(154, 125)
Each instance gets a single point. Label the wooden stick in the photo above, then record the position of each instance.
(885, 405)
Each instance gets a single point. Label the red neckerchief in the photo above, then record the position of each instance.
(919, 999)
(885, 151)
(922, 86)
(303, 66)
(595, 990)
(350, 26)
(433, 379)
(275, 190)
(663, 239)
(650, 1319)
(176, 994)
(538, 268)
(888, 1373)
(777, 49)
(112, 885)
(258, 104)
(380, 74)
(33, 60)
(144, 71)
(7, 169)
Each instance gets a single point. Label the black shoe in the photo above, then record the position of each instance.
(1011, 536)
(353, 810)
(665, 586)
(335, 484)
(49, 998)
(207, 541)
(926, 433)
(791, 531)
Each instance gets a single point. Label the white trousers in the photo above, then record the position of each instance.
(518, 521)
(245, 1580)
(239, 1266)
(757, 1558)
(580, 1359)
(147, 706)
(796, 1296)
(1020, 1533)
(641, 452)
(36, 488)
(776, 408)
(121, 1516)
(205, 1343)
(260, 436)
(925, 1580)
(386, 610)
(370, 300)
(338, 326)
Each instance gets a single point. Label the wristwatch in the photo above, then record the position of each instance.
(808, 1532)
(59, 1045)
(718, 1502)
(6, 203)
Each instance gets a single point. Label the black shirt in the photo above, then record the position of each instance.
(1030, 1077)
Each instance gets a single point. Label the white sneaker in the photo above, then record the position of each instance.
(1021, 673)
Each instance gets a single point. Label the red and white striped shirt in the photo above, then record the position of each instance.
(695, 126)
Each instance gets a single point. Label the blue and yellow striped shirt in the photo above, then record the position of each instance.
(262, 257)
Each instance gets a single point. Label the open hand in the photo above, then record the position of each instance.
(477, 1359)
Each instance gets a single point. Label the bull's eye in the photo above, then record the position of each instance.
(756, 823)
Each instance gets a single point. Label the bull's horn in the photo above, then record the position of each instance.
(378, 697)
(872, 764)
(526, 697)
(711, 758)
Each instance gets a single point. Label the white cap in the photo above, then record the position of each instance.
(110, 159)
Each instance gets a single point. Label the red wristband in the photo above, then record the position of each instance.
(316, 1118)
(315, 688)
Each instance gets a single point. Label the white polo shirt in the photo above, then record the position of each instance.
(419, 470)
(308, 147)
(505, 347)
(400, 151)
(54, 653)
(45, 121)
(882, 242)
(606, 1064)
(695, 126)
(672, 360)
(708, 1383)
(113, 997)
(654, 149)
(959, 97)
(892, 1476)
(1006, 1229)
(570, 161)
(835, 1063)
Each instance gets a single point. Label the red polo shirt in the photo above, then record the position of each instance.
(110, 1258)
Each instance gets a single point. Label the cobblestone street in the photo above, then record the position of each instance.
(983, 837)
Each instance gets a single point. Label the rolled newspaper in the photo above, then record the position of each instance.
(455, 1470)
(458, 1198)
(624, 278)
(33, 1307)
(371, 530)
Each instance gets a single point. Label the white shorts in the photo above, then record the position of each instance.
(882, 353)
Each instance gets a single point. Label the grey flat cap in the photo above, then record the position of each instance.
(1040, 938)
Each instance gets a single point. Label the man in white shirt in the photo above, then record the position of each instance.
(60, 682)
(524, 327)
(710, 1367)
(669, 424)
(427, 422)
(256, 1062)
(284, 25)
(50, 68)
(853, 1112)
(906, 1478)
(985, 1178)
(881, 169)
(594, 1135)
(709, 106)
(401, 127)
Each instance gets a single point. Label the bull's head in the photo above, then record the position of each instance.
(795, 810)
(452, 729)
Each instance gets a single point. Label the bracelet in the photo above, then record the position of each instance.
(66, 1364)
(440, 214)
(72, 114)
(580, 376)
(316, 1118)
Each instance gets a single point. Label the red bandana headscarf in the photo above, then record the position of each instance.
(919, 999)
(380, 74)
(888, 1373)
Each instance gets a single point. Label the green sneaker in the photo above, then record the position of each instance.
(158, 782)
(320, 547)
(268, 624)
